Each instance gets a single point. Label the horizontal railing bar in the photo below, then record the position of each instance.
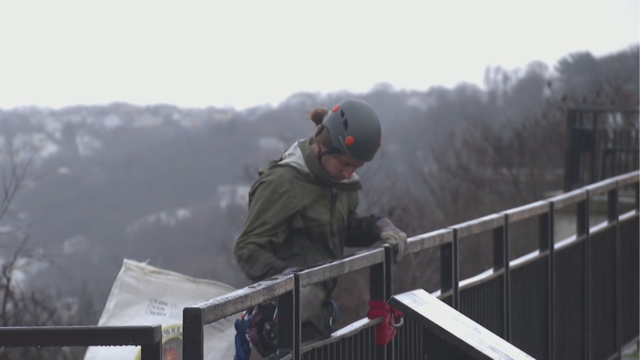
(570, 198)
(571, 240)
(244, 298)
(480, 277)
(527, 259)
(479, 225)
(595, 229)
(628, 179)
(59, 336)
(484, 276)
(602, 187)
(627, 215)
(438, 293)
(601, 226)
(527, 211)
(347, 331)
(337, 268)
(429, 240)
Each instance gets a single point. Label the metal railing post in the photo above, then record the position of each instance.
(582, 229)
(286, 325)
(388, 272)
(151, 352)
(388, 290)
(193, 334)
(612, 217)
(378, 291)
(449, 269)
(546, 245)
(501, 263)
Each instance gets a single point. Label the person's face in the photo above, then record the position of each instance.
(340, 167)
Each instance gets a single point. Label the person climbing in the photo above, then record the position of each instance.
(302, 212)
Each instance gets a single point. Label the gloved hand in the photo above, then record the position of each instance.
(311, 301)
(311, 297)
(393, 236)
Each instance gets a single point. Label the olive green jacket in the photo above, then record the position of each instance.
(299, 217)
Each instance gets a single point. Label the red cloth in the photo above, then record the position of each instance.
(385, 331)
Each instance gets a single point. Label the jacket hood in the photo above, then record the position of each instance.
(301, 157)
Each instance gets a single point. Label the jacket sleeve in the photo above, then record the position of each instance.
(361, 230)
(271, 207)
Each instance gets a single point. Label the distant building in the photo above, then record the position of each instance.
(35, 146)
(87, 145)
(165, 218)
(147, 120)
(233, 194)
(271, 144)
(111, 121)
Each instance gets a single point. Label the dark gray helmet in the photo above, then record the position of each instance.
(355, 129)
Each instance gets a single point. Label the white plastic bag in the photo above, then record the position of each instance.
(146, 295)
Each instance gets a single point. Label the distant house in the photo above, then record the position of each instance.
(166, 218)
(147, 120)
(271, 144)
(233, 194)
(86, 144)
(111, 121)
(37, 146)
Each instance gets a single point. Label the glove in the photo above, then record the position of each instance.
(311, 301)
(311, 297)
(393, 236)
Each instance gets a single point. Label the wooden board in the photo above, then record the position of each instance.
(454, 327)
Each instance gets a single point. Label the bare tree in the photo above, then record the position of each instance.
(21, 306)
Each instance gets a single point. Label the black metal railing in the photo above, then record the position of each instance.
(149, 338)
(285, 291)
(570, 299)
(601, 143)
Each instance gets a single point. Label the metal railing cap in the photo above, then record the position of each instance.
(61, 336)
(479, 225)
(429, 240)
(602, 187)
(569, 198)
(244, 298)
(334, 269)
(527, 211)
(628, 179)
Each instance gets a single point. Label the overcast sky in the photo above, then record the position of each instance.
(245, 53)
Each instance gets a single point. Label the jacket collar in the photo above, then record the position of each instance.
(301, 157)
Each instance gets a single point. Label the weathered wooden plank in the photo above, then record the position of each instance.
(455, 328)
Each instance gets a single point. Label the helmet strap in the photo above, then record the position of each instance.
(329, 151)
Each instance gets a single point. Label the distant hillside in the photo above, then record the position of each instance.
(167, 184)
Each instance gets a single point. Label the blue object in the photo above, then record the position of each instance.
(243, 348)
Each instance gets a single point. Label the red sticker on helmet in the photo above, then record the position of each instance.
(349, 140)
(335, 108)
